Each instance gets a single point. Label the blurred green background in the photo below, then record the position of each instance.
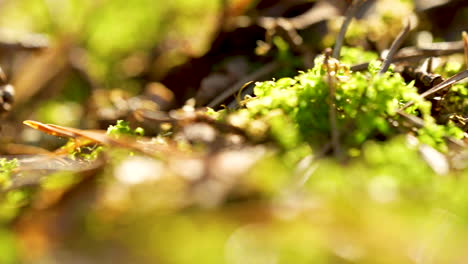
(386, 206)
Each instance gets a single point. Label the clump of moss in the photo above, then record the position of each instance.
(123, 128)
(296, 110)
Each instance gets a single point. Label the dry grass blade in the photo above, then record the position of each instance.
(48, 129)
(67, 132)
(99, 137)
(395, 46)
(55, 162)
(414, 120)
(350, 13)
(33, 168)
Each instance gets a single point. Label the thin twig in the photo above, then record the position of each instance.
(416, 121)
(260, 73)
(443, 85)
(395, 46)
(350, 13)
(335, 134)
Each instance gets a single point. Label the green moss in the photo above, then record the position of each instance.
(123, 128)
(297, 109)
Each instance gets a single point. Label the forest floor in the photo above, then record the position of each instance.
(243, 131)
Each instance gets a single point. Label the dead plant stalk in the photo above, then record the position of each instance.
(335, 134)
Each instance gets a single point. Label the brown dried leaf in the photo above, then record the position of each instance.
(100, 137)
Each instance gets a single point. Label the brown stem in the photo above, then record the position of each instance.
(443, 85)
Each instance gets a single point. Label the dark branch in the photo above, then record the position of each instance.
(443, 85)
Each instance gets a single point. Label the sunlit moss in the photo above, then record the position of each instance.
(122, 128)
(296, 110)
